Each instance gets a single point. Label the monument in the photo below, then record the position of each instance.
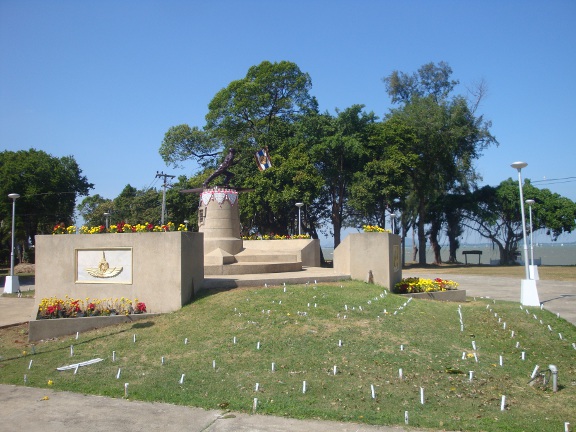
(225, 253)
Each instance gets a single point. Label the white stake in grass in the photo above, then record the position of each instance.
(471, 375)
(213, 364)
(113, 356)
(186, 341)
(512, 334)
(125, 390)
(71, 350)
(464, 355)
(234, 340)
(560, 336)
(118, 373)
(503, 403)
(273, 366)
(162, 361)
(182, 378)
(501, 361)
(474, 345)
(258, 346)
(255, 402)
(517, 344)
(340, 342)
(134, 338)
(77, 334)
(257, 387)
(30, 364)
(303, 386)
(335, 370)
(422, 395)
(534, 372)
(373, 391)
(566, 427)
(400, 374)
(523, 355)
(405, 417)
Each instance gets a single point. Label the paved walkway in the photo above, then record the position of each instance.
(26, 408)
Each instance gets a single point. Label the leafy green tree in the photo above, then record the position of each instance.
(496, 215)
(92, 209)
(48, 188)
(338, 150)
(257, 111)
(446, 137)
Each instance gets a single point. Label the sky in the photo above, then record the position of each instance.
(104, 80)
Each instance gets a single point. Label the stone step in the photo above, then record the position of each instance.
(242, 268)
(257, 256)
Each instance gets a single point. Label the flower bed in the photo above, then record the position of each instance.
(276, 237)
(52, 308)
(121, 227)
(374, 228)
(420, 285)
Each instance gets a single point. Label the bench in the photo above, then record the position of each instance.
(472, 252)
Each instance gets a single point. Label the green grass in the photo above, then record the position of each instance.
(305, 348)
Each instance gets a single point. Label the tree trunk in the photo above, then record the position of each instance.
(434, 230)
(421, 235)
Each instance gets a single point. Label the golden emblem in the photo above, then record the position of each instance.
(104, 270)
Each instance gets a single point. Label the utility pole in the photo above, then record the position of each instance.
(161, 174)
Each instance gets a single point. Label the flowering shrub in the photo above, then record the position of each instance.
(121, 227)
(276, 237)
(416, 285)
(53, 307)
(374, 228)
(62, 229)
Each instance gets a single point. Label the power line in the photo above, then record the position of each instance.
(559, 180)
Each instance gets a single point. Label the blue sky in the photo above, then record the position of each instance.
(104, 80)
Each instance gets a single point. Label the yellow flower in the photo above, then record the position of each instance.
(50, 382)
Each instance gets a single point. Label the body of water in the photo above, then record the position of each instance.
(544, 254)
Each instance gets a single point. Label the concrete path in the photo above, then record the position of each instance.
(26, 408)
(32, 409)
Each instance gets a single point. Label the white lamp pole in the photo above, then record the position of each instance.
(299, 205)
(392, 222)
(107, 218)
(533, 268)
(529, 292)
(12, 283)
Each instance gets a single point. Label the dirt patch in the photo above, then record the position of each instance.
(24, 269)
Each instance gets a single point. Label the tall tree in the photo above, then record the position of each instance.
(339, 151)
(256, 111)
(447, 137)
(48, 188)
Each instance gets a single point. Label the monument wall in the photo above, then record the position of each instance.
(162, 269)
(376, 252)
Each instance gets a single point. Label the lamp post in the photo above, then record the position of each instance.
(529, 292)
(533, 268)
(12, 284)
(107, 216)
(392, 222)
(299, 205)
(186, 222)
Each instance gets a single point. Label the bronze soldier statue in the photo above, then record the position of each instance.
(223, 169)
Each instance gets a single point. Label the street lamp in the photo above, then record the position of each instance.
(186, 222)
(533, 268)
(299, 205)
(392, 222)
(12, 284)
(528, 290)
(107, 216)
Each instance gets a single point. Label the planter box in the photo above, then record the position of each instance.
(162, 269)
(450, 295)
(379, 253)
(51, 328)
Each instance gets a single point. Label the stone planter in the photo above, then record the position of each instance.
(51, 328)
(450, 295)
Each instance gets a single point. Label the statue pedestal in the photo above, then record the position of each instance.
(219, 220)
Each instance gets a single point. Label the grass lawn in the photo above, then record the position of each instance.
(234, 337)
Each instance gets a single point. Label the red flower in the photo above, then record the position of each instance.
(140, 307)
